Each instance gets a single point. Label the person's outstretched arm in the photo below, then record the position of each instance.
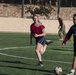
(67, 37)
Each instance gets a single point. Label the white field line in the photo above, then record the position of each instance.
(7, 48)
(27, 57)
(33, 47)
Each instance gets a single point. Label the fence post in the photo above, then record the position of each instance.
(59, 6)
(22, 8)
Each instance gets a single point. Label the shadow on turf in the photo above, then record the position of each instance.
(53, 74)
(3, 74)
(29, 68)
(62, 49)
(36, 68)
(16, 62)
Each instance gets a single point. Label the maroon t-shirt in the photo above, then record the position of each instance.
(37, 29)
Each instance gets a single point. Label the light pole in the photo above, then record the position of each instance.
(58, 6)
(22, 8)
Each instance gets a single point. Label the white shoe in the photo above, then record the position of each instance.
(61, 39)
(40, 64)
(48, 42)
(70, 74)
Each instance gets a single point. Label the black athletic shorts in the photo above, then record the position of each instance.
(40, 40)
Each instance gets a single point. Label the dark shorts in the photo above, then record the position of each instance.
(41, 40)
(74, 49)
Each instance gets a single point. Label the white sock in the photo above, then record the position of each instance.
(72, 71)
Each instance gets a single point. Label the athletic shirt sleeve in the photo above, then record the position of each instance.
(43, 28)
(68, 35)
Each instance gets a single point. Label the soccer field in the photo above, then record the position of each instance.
(17, 56)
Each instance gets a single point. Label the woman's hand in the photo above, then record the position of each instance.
(36, 35)
(63, 45)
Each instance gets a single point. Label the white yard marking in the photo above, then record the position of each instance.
(28, 57)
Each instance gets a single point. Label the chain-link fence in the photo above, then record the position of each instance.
(64, 3)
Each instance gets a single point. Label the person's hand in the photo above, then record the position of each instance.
(63, 45)
(36, 35)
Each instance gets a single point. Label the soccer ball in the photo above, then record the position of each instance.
(58, 70)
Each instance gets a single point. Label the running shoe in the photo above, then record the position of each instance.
(40, 64)
(48, 42)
